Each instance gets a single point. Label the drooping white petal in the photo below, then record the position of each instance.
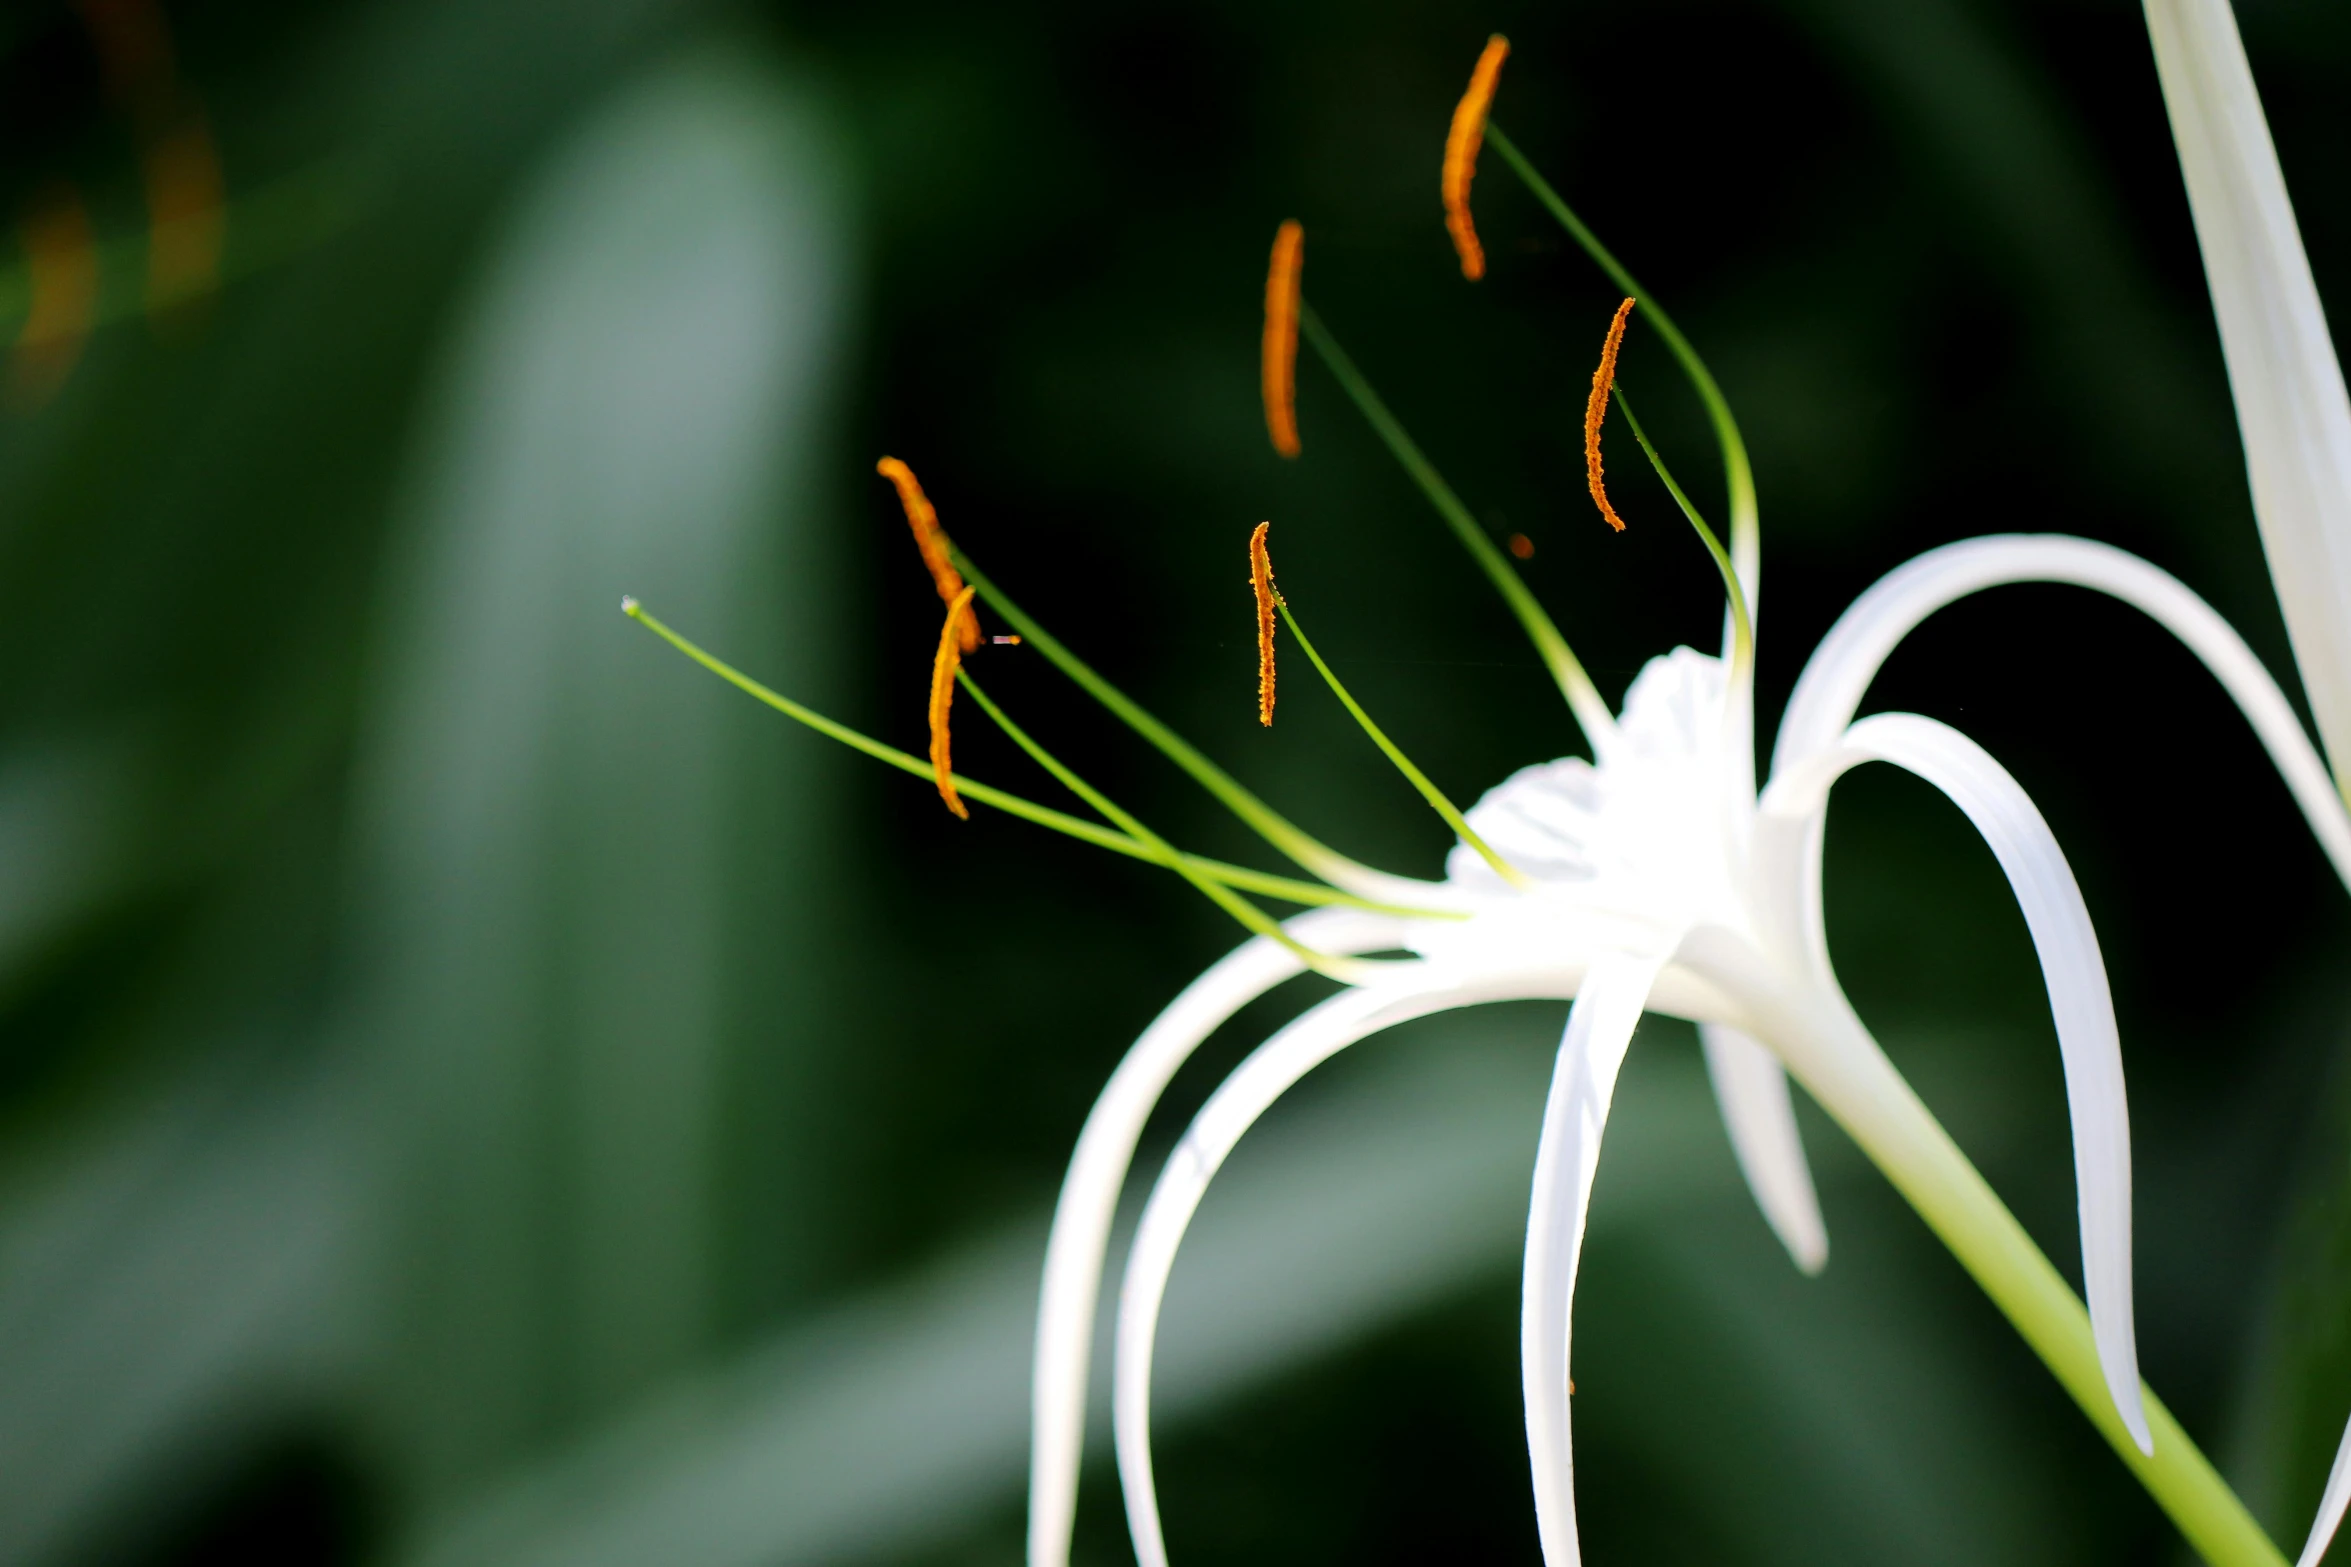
(2288, 386)
(1752, 1088)
(2071, 966)
(1841, 668)
(1089, 1197)
(2330, 1506)
(1268, 1073)
(1583, 1084)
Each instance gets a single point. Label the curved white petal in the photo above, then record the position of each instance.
(1841, 668)
(1268, 1073)
(2291, 405)
(1089, 1197)
(1599, 1028)
(1752, 1088)
(2330, 1506)
(2070, 964)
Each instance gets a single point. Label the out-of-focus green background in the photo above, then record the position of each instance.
(474, 1090)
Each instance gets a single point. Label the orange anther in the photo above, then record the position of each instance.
(1596, 409)
(1261, 580)
(1461, 154)
(1278, 360)
(932, 541)
(952, 641)
(1521, 546)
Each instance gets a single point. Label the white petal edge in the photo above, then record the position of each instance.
(1269, 1072)
(1097, 1171)
(1575, 1116)
(2330, 1506)
(2288, 386)
(2071, 966)
(1751, 1087)
(1830, 690)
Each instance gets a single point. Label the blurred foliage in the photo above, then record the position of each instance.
(473, 1090)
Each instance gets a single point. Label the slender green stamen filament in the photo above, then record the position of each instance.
(1241, 876)
(1352, 971)
(1582, 696)
(1737, 473)
(1742, 629)
(1302, 847)
(1412, 775)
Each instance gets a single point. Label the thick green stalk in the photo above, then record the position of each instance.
(1583, 698)
(1832, 1053)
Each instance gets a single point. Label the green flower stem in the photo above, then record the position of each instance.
(1583, 698)
(1388, 748)
(1285, 888)
(1742, 628)
(1315, 856)
(1738, 474)
(1353, 971)
(1832, 1052)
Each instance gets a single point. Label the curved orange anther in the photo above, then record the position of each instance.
(952, 641)
(931, 539)
(1461, 154)
(1596, 409)
(1278, 360)
(1261, 582)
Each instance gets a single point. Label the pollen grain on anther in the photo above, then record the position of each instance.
(1462, 143)
(1596, 409)
(1278, 360)
(1521, 546)
(952, 636)
(1261, 583)
(931, 539)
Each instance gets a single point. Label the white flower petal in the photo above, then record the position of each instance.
(1599, 1028)
(1841, 668)
(1268, 1073)
(2291, 405)
(2072, 968)
(2330, 1506)
(1752, 1088)
(1089, 1197)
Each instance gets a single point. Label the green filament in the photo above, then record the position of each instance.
(1742, 629)
(1413, 775)
(1582, 696)
(1282, 887)
(1252, 918)
(1738, 474)
(1302, 847)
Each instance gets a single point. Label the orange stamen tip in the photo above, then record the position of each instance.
(952, 637)
(931, 540)
(1261, 582)
(1522, 546)
(1462, 143)
(1278, 360)
(1596, 409)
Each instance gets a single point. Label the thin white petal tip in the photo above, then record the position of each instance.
(2134, 1420)
(1811, 1260)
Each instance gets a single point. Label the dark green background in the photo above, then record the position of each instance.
(1939, 258)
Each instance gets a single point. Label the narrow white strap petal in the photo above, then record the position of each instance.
(1089, 1198)
(2330, 1506)
(1268, 1073)
(2079, 999)
(1841, 668)
(2291, 406)
(1583, 1083)
(1752, 1088)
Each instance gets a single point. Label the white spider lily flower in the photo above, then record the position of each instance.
(1659, 886)
(2282, 368)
